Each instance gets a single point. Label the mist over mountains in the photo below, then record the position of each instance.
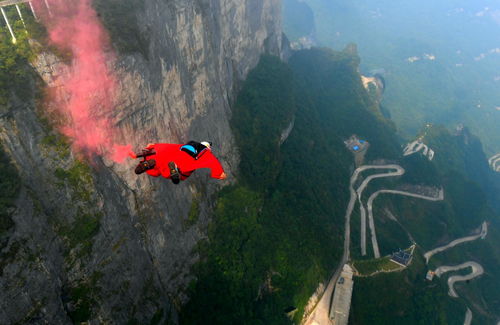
(440, 59)
(439, 62)
(354, 134)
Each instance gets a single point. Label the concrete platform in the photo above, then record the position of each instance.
(341, 304)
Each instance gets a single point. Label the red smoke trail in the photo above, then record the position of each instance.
(90, 88)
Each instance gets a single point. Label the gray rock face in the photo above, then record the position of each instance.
(99, 242)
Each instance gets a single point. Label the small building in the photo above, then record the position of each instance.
(355, 144)
(430, 275)
(358, 148)
(401, 257)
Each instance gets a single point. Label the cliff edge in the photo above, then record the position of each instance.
(95, 242)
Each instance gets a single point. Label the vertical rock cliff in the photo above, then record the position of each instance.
(99, 243)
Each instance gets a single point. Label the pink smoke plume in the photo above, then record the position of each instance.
(90, 89)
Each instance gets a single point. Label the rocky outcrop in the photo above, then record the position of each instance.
(99, 242)
(374, 86)
(286, 132)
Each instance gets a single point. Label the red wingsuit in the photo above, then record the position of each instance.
(166, 152)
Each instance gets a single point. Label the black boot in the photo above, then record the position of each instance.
(145, 165)
(174, 173)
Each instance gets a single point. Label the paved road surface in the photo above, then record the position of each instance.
(494, 158)
(320, 314)
(376, 252)
(477, 270)
(468, 317)
(398, 172)
(415, 147)
(495, 162)
(482, 235)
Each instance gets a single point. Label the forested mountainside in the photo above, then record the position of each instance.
(278, 231)
(86, 240)
(470, 198)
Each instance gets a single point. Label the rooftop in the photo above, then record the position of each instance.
(401, 257)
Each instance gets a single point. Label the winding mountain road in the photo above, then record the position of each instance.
(398, 171)
(482, 235)
(494, 162)
(376, 252)
(468, 317)
(477, 270)
(417, 146)
(321, 313)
